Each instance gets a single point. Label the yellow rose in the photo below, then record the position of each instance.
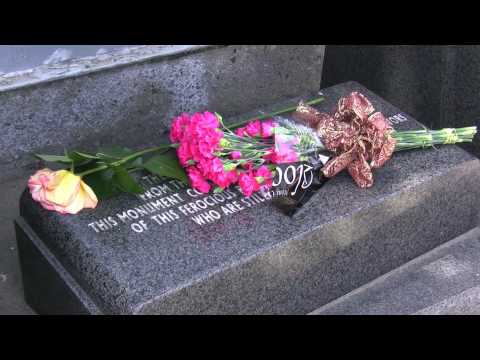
(61, 191)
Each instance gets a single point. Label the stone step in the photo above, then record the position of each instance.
(256, 260)
(444, 281)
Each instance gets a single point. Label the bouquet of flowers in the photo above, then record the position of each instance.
(212, 156)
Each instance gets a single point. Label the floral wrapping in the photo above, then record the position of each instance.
(359, 137)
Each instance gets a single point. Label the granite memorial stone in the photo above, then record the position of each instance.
(172, 250)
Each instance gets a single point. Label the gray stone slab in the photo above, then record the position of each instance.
(410, 76)
(137, 100)
(259, 261)
(444, 281)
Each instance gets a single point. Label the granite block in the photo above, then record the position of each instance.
(253, 259)
(438, 85)
(136, 100)
(47, 285)
(410, 77)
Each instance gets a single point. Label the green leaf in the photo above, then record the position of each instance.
(102, 183)
(83, 155)
(80, 159)
(114, 153)
(217, 190)
(54, 158)
(135, 163)
(166, 165)
(125, 182)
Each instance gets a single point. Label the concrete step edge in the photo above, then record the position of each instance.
(403, 268)
(86, 65)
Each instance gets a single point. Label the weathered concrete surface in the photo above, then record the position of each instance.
(444, 281)
(62, 64)
(134, 104)
(22, 57)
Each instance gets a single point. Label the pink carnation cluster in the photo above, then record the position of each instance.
(199, 137)
(252, 180)
(284, 149)
(257, 128)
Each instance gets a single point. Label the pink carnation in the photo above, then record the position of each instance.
(194, 150)
(184, 154)
(285, 150)
(199, 136)
(247, 166)
(267, 128)
(221, 180)
(266, 176)
(225, 179)
(177, 130)
(204, 167)
(219, 176)
(210, 120)
(202, 123)
(209, 167)
(254, 128)
(270, 155)
(248, 184)
(235, 155)
(240, 132)
(216, 166)
(207, 147)
(207, 136)
(285, 157)
(197, 180)
(233, 176)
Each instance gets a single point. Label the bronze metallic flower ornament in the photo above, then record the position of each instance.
(359, 136)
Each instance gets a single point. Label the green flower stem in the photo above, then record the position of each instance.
(261, 117)
(143, 152)
(91, 171)
(415, 139)
(127, 158)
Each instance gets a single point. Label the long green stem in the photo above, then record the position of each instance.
(91, 171)
(142, 152)
(415, 139)
(125, 159)
(286, 110)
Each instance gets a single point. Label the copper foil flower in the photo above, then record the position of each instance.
(358, 136)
